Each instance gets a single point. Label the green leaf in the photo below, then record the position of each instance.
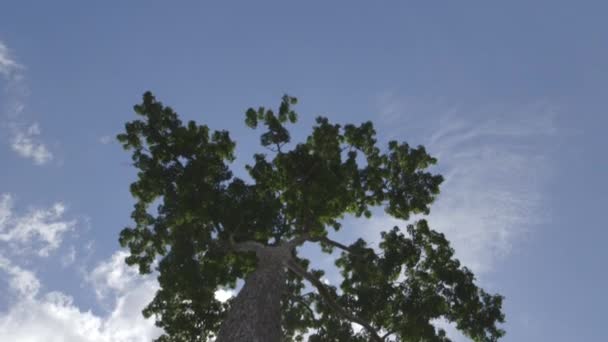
(251, 119)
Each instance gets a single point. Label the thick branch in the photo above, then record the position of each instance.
(327, 295)
(334, 243)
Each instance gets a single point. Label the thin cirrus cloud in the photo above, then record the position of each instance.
(496, 161)
(25, 137)
(496, 164)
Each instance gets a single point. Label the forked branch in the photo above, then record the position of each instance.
(329, 298)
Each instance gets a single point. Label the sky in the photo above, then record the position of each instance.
(509, 96)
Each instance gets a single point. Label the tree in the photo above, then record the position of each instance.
(211, 229)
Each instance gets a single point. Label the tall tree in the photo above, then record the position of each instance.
(211, 229)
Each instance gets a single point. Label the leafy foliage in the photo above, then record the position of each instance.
(301, 192)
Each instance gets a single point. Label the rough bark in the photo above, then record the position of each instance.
(255, 315)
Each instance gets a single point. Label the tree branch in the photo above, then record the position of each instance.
(300, 299)
(334, 243)
(245, 246)
(342, 246)
(328, 296)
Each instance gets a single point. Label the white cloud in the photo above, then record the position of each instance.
(54, 316)
(113, 276)
(42, 229)
(14, 89)
(26, 143)
(36, 315)
(6, 204)
(25, 137)
(126, 322)
(8, 65)
(495, 166)
(51, 318)
(23, 282)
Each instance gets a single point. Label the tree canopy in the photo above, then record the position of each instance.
(193, 220)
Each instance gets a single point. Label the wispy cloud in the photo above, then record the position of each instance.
(23, 282)
(496, 163)
(25, 137)
(113, 275)
(40, 229)
(8, 66)
(495, 166)
(69, 258)
(25, 142)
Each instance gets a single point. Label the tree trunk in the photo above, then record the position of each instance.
(255, 315)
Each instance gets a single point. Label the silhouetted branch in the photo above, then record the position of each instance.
(328, 297)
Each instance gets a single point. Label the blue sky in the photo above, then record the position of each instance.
(510, 96)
